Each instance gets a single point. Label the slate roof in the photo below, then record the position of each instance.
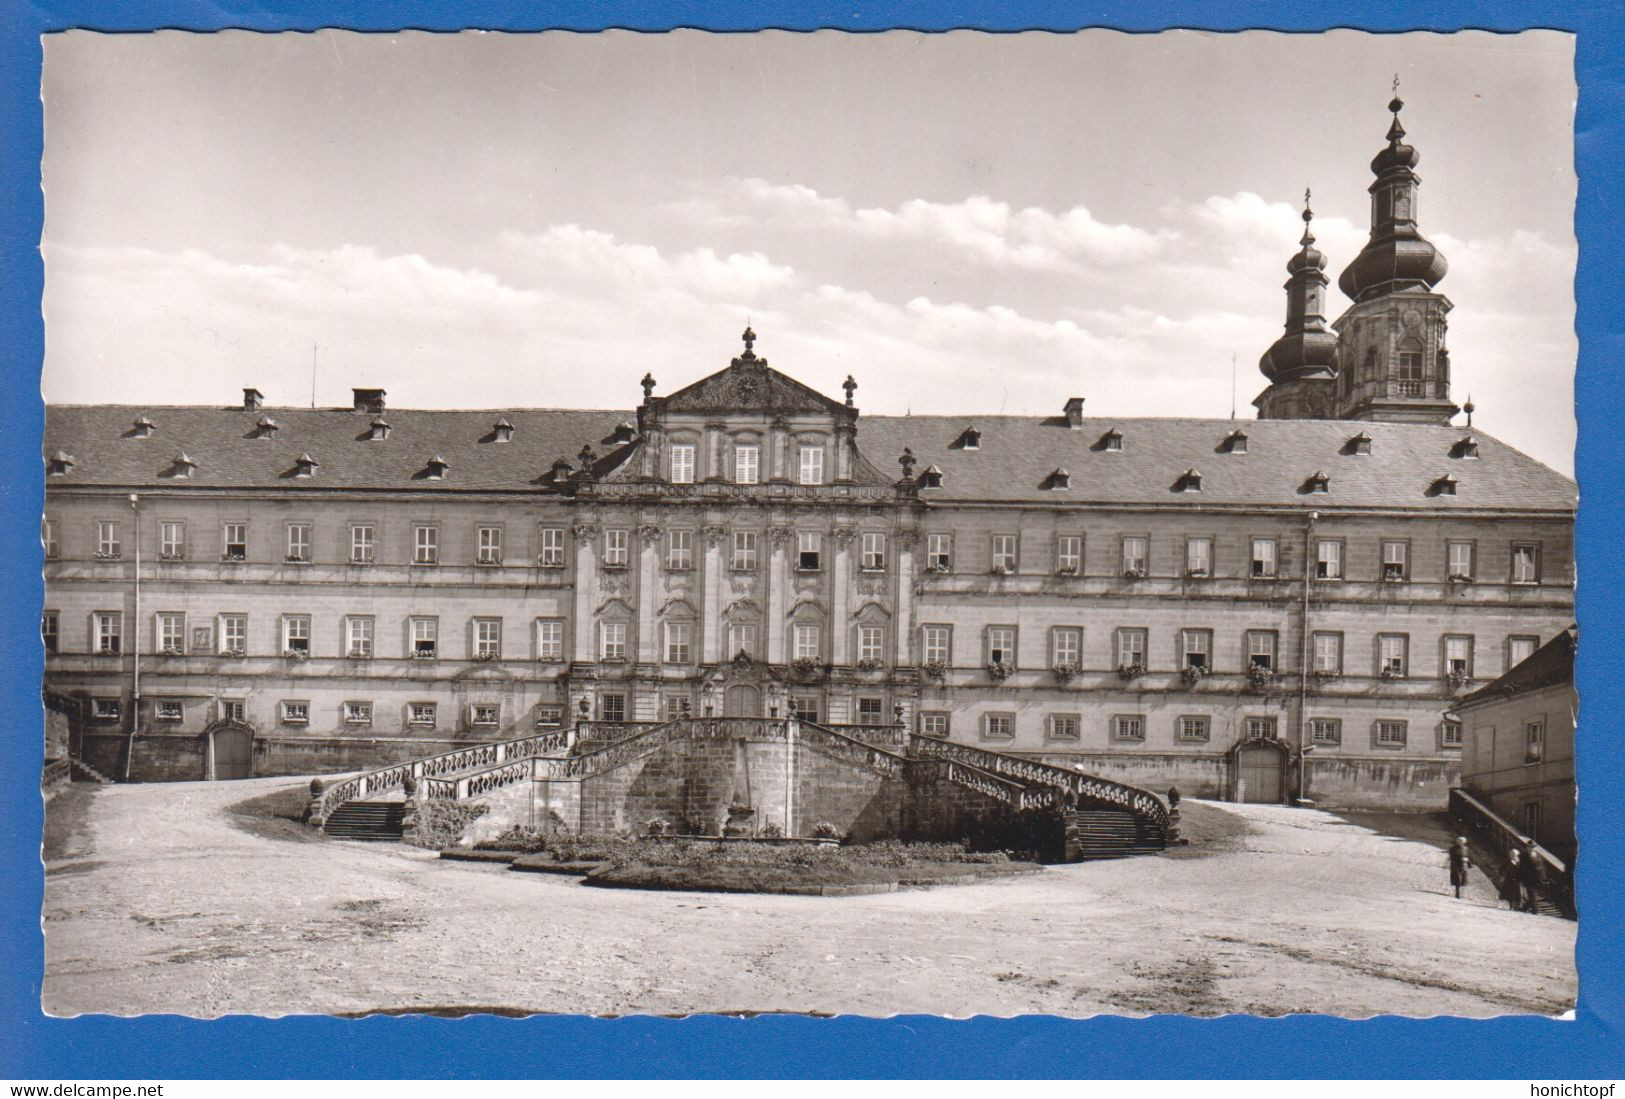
(1013, 462)
(1551, 665)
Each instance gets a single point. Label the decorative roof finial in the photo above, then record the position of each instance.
(907, 460)
(1308, 216)
(750, 340)
(1469, 408)
(648, 384)
(851, 387)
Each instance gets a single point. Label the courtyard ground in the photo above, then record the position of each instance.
(163, 898)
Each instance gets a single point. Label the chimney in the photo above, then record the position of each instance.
(1074, 412)
(368, 400)
(253, 400)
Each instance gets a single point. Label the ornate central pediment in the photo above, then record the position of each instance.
(749, 385)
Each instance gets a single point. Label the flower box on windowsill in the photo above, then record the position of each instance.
(102, 555)
(1067, 570)
(359, 654)
(1391, 673)
(233, 653)
(1259, 677)
(171, 650)
(297, 559)
(108, 650)
(870, 665)
(234, 558)
(1196, 574)
(935, 669)
(171, 556)
(545, 563)
(360, 560)
(1193, 673)
(938, 570)
(1460, 578)
(1000, 570)
(488, 656)
(488, 562)
(998, 671)
(806, 668)
(612, 659)
(296, 654)
(614, 566)
(1066, 671)
(1393, 577)
(1133, 574)
(1457, 680)
(1323, 675)
(423, 654)
(1130, 672)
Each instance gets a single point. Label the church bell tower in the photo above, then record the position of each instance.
(1392, 363)
(1299, 365)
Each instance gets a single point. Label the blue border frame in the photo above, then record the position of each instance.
(1593, 1046)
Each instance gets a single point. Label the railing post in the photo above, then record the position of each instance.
(361, 788)
(314, 816)
(462, 788)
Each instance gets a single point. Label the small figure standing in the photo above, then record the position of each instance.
(1459, 863)
(1511, 885)
(1173, 797)
(1530, 876)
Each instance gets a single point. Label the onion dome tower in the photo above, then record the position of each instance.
(1391, 358)
(1301, 364)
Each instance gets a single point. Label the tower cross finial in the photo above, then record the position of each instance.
(1396, 83)
(851, 386)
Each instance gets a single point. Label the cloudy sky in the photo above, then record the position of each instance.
(965, 222)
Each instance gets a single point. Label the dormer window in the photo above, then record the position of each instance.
(1058, 480)
(623, 433)
(1112, 441)
(1189, 481)
(970, 439)
(1235, 442)
(560, 470)
(1443, 486)
(59, 463)
(265, 427)
(931, 478)
(1465, 447)
(436, 469)
(377, 430)
(304, 466)
(183, 466)
(1317, 484)
(143, 428)
(1358, 444)
(503, 431)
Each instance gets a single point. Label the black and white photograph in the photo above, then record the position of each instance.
(736, 523)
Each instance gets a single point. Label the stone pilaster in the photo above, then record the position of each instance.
(586, 578)
(710, 605)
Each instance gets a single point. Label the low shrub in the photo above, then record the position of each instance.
(442, 823)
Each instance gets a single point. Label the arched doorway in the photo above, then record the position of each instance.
(228, 751)
(742, 700)
(1259, 773)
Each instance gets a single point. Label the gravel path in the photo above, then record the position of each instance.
(161, 903)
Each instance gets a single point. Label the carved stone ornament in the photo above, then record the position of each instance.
(648, 531)
(743, 584)
(872, 585)
(714, 535)
(779, 535)
(614, 583)
(843, 536)
(585, 532)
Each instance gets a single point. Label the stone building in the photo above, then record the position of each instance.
(1282, 607)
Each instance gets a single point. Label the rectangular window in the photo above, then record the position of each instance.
(804, 707)
(1459, 563)
(425, 544)
(934, 723)
(1198, 648)
(1004, 553)
(612, 640)
(812, 465)
(50, 631)
(1520, 649)
(1193, 728)
(487, 714)
(809, 550)
(806, 641)
(1001, 645)
(871, 710)
(1261, 649)
(1458, 657)
(934, 644)
(612, 707)
(1390, 734)
(1391, 654)
(420, 715)
(871, 643)
(234, 541)
(1131, 648)
(747, 464)
(425, 638)
(874, 551)
(107, 631)
(362, 544)
(488, 638)
(1065, 727)
(744, 555)
(105, 709)
(1066, 647)
(1328, 560)
(1525, 563)
(295, 713)
(1199, 556)
(47, 538)
(1325, 730)
(358, 634)
(998, 726)
(1328, 653)
(616, 547)
(679, 642)
(1396, 560)
(939, 552)
(1261, 728)
(1134, 555)
(488, 545)
(1069, 554)
(109, 545)
(682, 464)
(358, 713)
(298, 542)
(1534, 741)
(549, 639)
(1263, 559)
(171, 639)
(171, 541)
(680, 550)
(1450, 734)
(1128, 727)
(296, 633)
(233, 709)
(551, 555)
(233, 634)
(549, 717)
(742, 638)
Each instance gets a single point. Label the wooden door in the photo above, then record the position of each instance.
(1260, 772)
(232, 751)
(742, 700)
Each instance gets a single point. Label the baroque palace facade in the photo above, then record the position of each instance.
(1277, 608)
